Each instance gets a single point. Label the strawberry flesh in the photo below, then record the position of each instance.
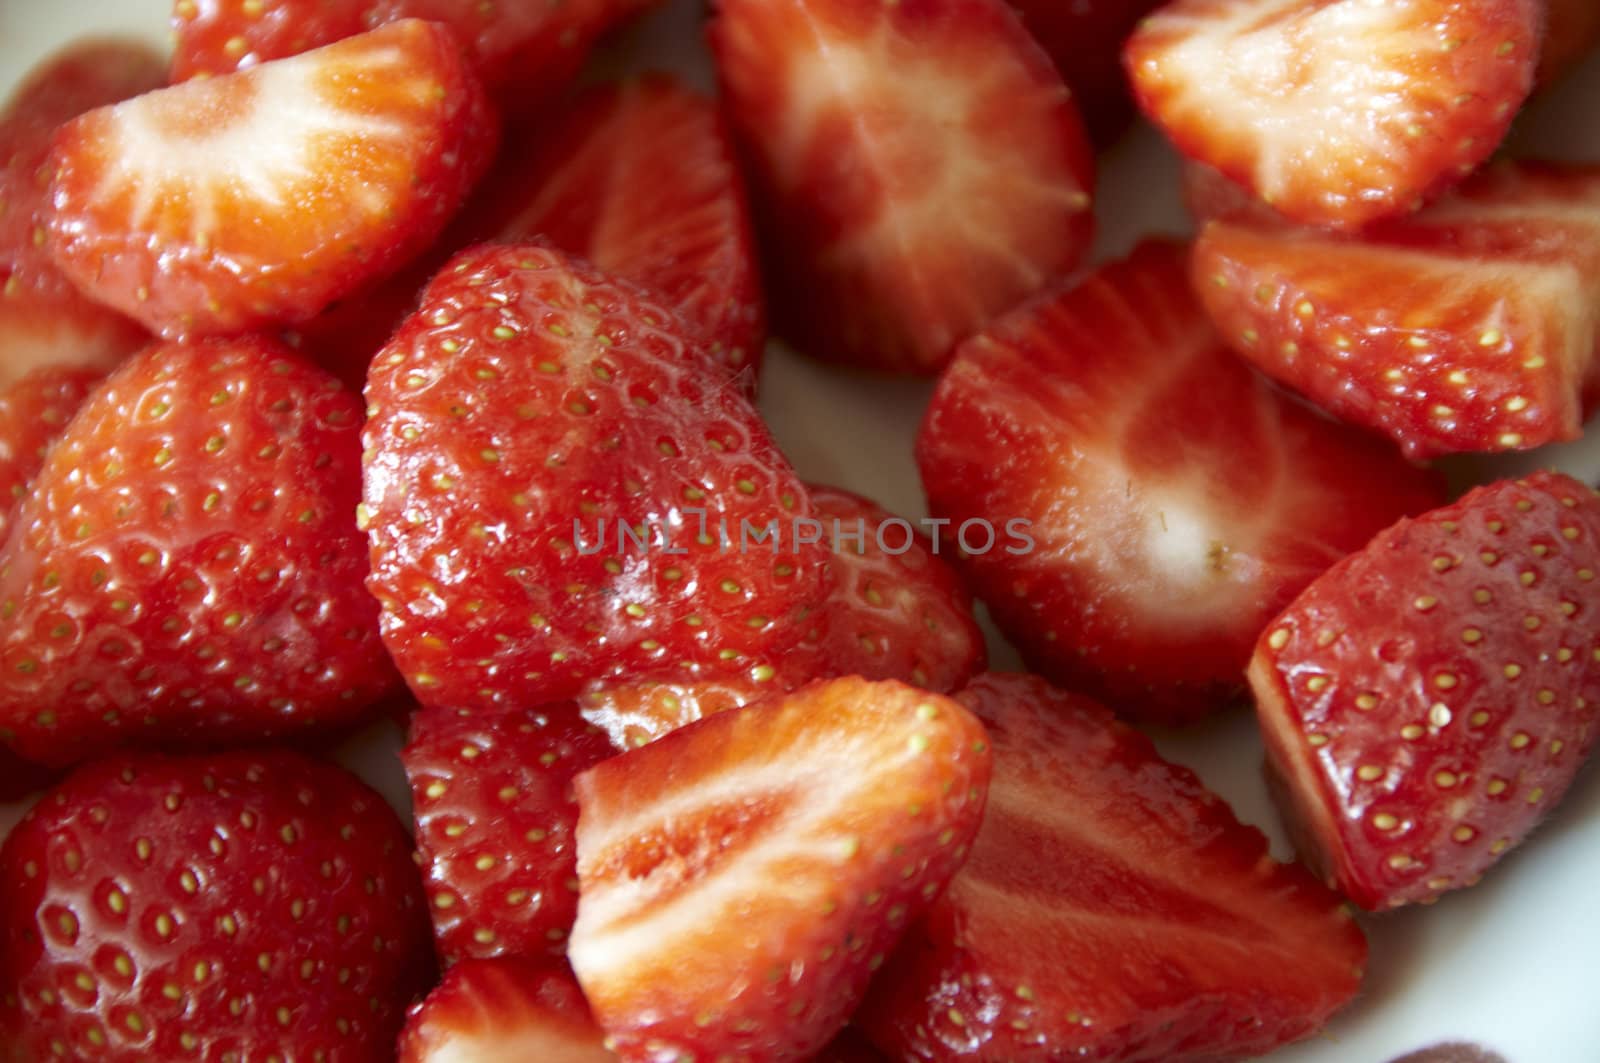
(510, 1010)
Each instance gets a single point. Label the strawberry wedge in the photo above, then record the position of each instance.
(504, 1011)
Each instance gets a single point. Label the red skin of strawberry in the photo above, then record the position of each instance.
(530, 398)
(495, 815)
(1177, 501)
(1466, 327)
(903, 210)
(33, 412)
(188, 569)
(1428, 701)
(1276, 95)
(1113, 909)
(170, 207)
(1084, 38)
(744, 876)
(241, 903)
(44, 319)
(511, 1010)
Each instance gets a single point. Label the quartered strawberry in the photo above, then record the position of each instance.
(44, 319)
(1175, 501)
(187, 568)
(1573, 32)
(236, 906)
(504, 1011)
(544, 443)
(259, 198)
(1470, 326)
(495, 816)
(1427, 701)
(920, 167)
(1113, 909)
(744, 876)
(33, 412)
(1337, 112)
(1085, 38)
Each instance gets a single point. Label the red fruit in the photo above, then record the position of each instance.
(1468, 327)
(742, 877)
(504, 1011)
(1084, 38)
(187, 568)
(1168, 502)
(1113, 909)
(1207, 194)
(232, 906)
(44, 320)
(1573, 32)
(920, 165)
(33, 412)
(1337, 112)
(495, 816)
(531, 409)
(1427, 701)
(259, 198)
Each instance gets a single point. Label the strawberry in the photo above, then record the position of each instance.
(1573, 32)
(1207, 195)
(1113, 909)
(1471, 326)
(543, 444)
(235, 906)
(1427, 701)
(33, 412)
(188, 568)
(495, 817)
(1084, 38)
(174, 207)
(920, 165)
(504, 1011)
(1337, 112)
(1165, 502)
(44, 320)
(742, 877)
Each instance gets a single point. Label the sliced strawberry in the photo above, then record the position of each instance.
(530, 414)
(1472, 326)
(495, 817)
(44, 320)
(1085, 38)
(1573, 32)
(1427, 701)
(742, 877)
(238, 906)
(504, 1011)
(259, 198)
(1113, 909)
(33, 412)
(1337, 112)
(920, 165)
(1170, 502)
(188, 567)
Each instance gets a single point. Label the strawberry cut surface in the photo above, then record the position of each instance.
(504, 1011)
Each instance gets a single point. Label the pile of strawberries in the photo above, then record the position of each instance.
(371, 369)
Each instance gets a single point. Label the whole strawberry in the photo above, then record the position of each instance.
(1427, 701)
(237, 906)
(33, 413)
(187, 568)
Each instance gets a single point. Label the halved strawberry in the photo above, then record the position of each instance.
(259, 198)
(504, 1011)
(1113, 909)
(1428, 701)
(743, 877)
(1471, 326)
(1573, 32)
(187, 568)
(1171, 500)
(543, 445)
(495, 816)
(1084, 38)
(44, 319)
(1337, 112)
(33, 412)
(920, 166)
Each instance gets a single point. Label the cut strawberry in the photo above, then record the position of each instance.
(259, 198)
(1337, 112)
(495, 817)
(33, 412)
(920, 165)
(542, 448)
(1472, 326)
(1085, 38)
(243, 906)
(504, 1011)
(1207, 194)
(1429, 700)
(1170, 502)
(1113, 909)
(1573, 32)
(44, 320)
(188, 568)
(742, 877)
